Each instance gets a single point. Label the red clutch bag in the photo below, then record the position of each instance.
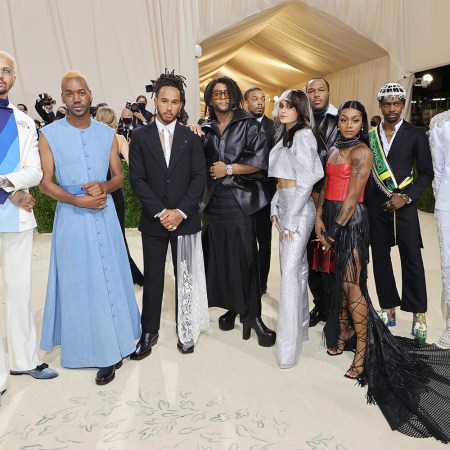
(323, 262)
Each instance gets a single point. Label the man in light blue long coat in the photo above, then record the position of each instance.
(90, 308)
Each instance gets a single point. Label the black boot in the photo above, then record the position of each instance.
(266, 336)
(316, 316)
(107, 374)
(144, 346)
(226, 321)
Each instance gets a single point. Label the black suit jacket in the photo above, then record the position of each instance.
(270, 186)
(179, 186)
(410, 145)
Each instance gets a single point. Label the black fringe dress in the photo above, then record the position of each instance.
(409, 383)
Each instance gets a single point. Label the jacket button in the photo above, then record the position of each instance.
(168, 181)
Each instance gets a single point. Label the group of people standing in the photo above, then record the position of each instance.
(314, 168)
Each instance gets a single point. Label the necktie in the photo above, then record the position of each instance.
(5, 113)
(166, 149)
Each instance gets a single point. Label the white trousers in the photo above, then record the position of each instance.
(16, 251)
(443, 223)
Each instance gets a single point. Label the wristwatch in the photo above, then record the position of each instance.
(406, 199)
(229, 169)
(3, 182)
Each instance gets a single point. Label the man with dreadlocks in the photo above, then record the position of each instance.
(167, 173)
(391, 196)
(237, 152)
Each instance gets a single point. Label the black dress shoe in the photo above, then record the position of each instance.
(144, 346)
(185, 348)
(226, 321)
(107, 374)
(2, 392)
(316, 316)
(266, 336)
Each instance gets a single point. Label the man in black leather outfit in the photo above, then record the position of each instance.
(236, 152)
(326, 132)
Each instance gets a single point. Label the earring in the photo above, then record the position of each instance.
(362, 129)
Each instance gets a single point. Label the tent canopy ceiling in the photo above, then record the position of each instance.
(283, 48)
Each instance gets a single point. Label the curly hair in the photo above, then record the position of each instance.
(233, 89)
(298, 100)
(177, 81)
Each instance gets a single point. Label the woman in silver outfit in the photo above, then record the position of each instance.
(295, 164)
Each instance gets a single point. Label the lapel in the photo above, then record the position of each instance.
(399, 140)
(178, 144)
(155, 147)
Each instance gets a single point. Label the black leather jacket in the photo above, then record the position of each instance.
(243, 142)
(326, 134)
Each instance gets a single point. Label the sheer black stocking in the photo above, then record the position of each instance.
(356, 304)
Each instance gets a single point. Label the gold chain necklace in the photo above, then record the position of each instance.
(389, 133)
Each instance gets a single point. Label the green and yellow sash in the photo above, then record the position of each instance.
(381, 170)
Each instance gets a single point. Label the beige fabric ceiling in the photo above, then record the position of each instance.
(121, 45)
(284, 47)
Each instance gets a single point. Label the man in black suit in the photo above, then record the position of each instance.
(167, 173)
(255, 104)
(391, 196)
(326, 133)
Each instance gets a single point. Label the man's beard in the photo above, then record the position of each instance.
(223, 110)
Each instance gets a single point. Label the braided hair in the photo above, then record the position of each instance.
(235, 94)
(177, 81)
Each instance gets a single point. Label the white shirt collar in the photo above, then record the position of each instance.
(162, 126)
(397, 126)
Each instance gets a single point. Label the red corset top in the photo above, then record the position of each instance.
(338, 177)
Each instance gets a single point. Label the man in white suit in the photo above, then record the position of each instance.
(20, 169)
(440, 152)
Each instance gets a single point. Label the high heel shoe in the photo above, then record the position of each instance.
(266, 336)
(354, 372)
(226, 321)
(349, 344)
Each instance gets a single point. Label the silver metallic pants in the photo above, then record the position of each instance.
(293, 311)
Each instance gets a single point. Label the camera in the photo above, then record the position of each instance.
(45, 100)
(132, 106)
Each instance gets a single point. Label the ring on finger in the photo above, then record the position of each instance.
(323, 247)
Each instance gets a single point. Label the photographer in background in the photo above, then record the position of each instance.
(125, 126)
(44, 107)
(141, 115)
(61, 113)
(22, 108)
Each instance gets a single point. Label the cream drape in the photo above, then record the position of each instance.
(277, 44)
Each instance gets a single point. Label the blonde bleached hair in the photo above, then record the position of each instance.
(74, 74)
(107, 116)
(8, 57)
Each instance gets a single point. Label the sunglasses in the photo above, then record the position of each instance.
(217, 95)
(7, 71)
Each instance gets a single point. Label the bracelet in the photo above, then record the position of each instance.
(406, 199)
(329, 240)
(331, 235)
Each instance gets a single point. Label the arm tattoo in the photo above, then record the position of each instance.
(20, 198)
(358, 161)
(320, 202)
(344, 215)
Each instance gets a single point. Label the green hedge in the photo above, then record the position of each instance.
(45, 206)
